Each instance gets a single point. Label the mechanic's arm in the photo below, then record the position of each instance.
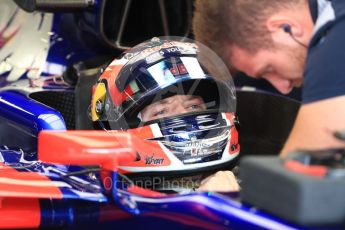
(315, 124)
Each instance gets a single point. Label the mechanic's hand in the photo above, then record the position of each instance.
(222, 181)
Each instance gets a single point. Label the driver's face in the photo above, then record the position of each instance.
(174, 105)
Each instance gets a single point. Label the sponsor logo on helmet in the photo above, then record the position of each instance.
(151, 160)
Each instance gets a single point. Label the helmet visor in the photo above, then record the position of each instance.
(170, 87)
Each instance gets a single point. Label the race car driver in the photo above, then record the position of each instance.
(161, 91)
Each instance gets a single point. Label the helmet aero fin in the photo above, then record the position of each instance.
(98, 101)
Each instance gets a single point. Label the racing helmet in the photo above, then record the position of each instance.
(160, 73)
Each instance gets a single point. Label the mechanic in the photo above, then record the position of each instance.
(286, 42)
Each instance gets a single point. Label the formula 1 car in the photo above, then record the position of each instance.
(55, 172)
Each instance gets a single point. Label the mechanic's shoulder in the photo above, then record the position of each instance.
(331, 18)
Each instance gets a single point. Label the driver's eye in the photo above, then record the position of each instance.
(160, 112)
(194, 107)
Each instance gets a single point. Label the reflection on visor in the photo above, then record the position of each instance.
(193, 68)
(159, 76)
(164, 73)
(167, 72)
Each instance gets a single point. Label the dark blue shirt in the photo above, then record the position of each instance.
(324, 75)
